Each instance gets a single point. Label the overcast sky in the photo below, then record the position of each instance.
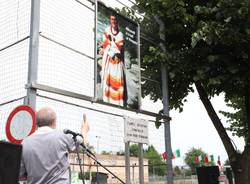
(193, 128)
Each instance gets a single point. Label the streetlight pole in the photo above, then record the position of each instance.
(97, 152)
(165, 97)
(97, 143)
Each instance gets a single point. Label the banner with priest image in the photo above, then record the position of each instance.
(118, 67)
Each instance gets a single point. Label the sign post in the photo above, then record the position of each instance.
(135, 130)
(127, 162)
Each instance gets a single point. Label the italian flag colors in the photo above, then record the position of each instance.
(205, 158)
(175, 154)
(200, 159)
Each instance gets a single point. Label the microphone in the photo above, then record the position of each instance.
(67, 131)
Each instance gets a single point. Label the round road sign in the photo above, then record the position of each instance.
(20, 124)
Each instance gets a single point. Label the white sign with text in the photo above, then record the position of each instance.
(135, 130)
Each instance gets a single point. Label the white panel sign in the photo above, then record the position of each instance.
(135, 130)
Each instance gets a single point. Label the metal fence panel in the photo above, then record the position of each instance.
(14, 21)
(65, 69)
(14, 69)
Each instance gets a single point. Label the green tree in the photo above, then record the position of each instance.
(236, 119)
(134, 150)
(187, 172)
(106, 152)
(190, 158)
(156, 164)
(177, 171)
(207, 46)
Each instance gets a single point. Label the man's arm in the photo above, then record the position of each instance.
(85, 129)
(69, 141)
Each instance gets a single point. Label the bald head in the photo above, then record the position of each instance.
(46, 117)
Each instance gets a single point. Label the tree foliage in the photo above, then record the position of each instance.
(205, 41)
(207, 44)
(134, 150)
(177, 171)
(106, 152)
(156, 163)
(237, 118)
(191, 161)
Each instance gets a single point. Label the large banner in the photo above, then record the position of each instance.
(118, 67)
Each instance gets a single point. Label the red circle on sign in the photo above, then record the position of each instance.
(26, 108)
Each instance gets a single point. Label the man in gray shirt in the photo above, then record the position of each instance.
(45, 153)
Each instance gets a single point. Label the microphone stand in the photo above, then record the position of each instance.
(93, 157)
(97, 177)
(79, 161)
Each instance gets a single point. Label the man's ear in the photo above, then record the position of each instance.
(53, 124)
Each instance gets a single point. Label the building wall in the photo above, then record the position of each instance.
(114, 163)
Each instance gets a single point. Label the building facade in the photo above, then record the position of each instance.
(114, 163)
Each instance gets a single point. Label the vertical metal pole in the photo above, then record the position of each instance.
(33, 52)
(164, 77)
(133, 167)
(141, 164)
(127, 162)
(168, 146)
(139, 63)
(95, 50)
(153, 169)
(97, 143)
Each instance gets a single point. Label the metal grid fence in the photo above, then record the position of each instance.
(66, 54)
(66, 61)
(14, 21)
(106, 124)
(14, 69)
(14, 32)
